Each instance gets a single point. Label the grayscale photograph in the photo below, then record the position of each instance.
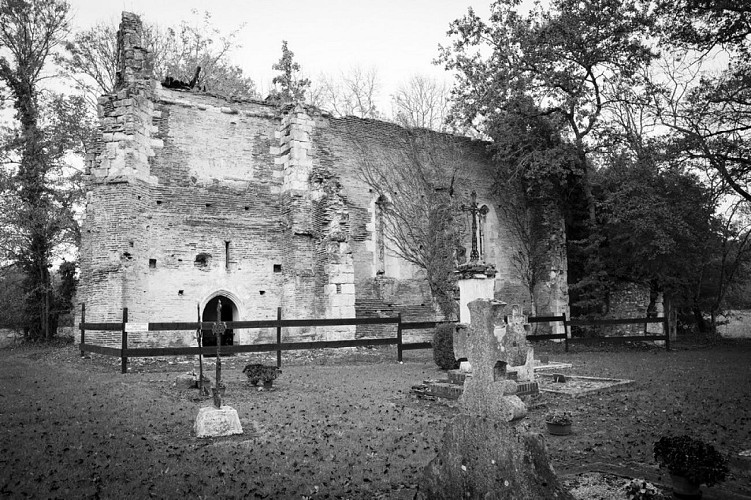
(393, 249)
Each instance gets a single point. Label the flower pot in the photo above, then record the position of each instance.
(559, 429)
(684, 489)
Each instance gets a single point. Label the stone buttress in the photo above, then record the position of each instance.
(119, 176)
(319, 279)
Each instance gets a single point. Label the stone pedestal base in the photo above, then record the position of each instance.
(476, 287)
(483, 457)
(213, 422)
(497, 400)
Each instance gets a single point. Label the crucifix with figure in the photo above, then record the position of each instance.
(218, 330)
(472, 208)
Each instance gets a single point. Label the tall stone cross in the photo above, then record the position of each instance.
(472, 208)
(218, 330)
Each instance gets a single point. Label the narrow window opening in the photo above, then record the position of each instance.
(338, 288)
(181, 292)
(277, 268)
(226, 255)
(152, 263)
(378, 237)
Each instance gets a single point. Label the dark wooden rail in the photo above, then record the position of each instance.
(125, 352)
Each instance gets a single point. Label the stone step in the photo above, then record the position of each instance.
(451, 390)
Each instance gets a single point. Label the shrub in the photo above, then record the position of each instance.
(443, 347)
(691, 458)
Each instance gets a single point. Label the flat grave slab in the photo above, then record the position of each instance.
(577, 386)
(552, 366)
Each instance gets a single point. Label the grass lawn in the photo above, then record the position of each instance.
(337, 425)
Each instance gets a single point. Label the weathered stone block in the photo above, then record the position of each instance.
(215, 422)
(485, 458)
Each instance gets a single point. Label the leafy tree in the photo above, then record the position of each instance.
(556, 73)
(560, 58)
(289, 86)
(36, 186)
(91, 57)
(708, 111)
(12, 298)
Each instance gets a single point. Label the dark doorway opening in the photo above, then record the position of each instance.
(209, 315)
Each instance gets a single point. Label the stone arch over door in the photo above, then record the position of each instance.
(230, 312)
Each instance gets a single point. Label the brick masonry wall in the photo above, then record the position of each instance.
(191, 196)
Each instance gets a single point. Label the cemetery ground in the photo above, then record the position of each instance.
(341, 424)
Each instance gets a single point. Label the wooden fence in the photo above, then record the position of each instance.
(124, 351)
(568, 339)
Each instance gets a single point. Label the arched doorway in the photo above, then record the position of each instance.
(209, 315)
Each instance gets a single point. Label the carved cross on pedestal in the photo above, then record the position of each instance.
(218, 330)
(474, 256)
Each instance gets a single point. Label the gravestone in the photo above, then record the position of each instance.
(217, 420)
(499, 356)
(482, 456)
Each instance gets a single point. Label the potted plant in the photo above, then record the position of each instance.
(559, 423)
(690, 463)
(261, 373)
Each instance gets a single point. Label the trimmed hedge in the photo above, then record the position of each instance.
(443, 347)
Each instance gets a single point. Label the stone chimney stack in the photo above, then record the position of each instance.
(129, 132)
(134, 66)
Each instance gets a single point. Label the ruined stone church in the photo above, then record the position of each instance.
(193, 198)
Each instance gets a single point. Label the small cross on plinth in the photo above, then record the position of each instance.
(218, 330)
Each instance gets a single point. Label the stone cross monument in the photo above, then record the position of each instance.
(474, 255)
(217, 420)
(481, 454)
(495, 344)
(475, 277)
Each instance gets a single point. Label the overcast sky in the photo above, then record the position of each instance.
(398, 37)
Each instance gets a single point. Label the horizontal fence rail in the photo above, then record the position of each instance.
(125, 352)
(550, 336)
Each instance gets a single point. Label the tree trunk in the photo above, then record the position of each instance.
(701, 323)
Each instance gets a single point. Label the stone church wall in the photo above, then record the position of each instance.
(192, 196)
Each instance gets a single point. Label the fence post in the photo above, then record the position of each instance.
(565, 331)
(278, 337)
(666, 331)
(124, 347)
(83, 328)
(399, 337)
